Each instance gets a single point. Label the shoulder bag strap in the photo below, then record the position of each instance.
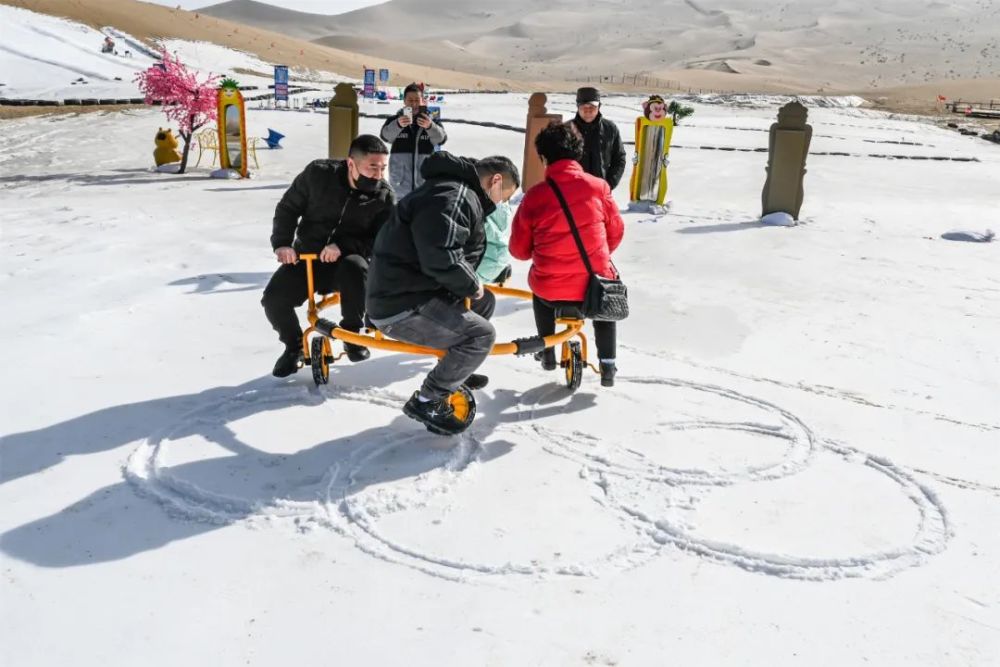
(572, 225)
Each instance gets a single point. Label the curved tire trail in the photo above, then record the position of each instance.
(615, 470)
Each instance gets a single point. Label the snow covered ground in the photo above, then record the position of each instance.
(45, 57)
(800, 463)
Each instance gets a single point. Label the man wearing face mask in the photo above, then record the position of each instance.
(423, 270)
(334, 208)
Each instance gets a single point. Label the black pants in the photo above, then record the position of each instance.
(605, 333)
(287, 290)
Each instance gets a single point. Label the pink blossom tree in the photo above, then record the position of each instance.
(186, 100)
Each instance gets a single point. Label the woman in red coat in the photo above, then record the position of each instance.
(542, 234)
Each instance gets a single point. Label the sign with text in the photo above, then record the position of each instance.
(280, 83)
(383, 76)
(369, 90)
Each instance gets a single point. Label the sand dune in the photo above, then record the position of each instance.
(813, 45)
(896, 52)
(302, 25)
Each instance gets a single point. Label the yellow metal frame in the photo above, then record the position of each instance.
(572, 328)
(642, 124)
(228, 97)
(208, 140)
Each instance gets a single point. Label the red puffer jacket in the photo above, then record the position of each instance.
(541, 232)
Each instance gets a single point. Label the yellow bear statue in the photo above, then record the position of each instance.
(166, 147)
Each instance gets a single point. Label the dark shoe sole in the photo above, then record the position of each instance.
(359, 356)
(356, 353)
(475, 385)
(433, 428)
(547, 364)
(279, 374)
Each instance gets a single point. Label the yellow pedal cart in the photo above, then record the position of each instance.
(318, 351)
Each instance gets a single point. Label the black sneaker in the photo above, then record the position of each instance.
(476, 381)
(288, 363)
(608, 370)
(438, 416)
(548, 358)
(356, 352)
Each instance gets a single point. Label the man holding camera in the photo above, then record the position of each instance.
(414, 135)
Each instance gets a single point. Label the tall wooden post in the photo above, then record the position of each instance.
(786, 162)
(539, 118)
(343, 120)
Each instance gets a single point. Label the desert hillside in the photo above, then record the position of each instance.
(812, 45)
(149, 21)
(895, 54)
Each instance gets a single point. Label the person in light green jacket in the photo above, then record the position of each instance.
(495, 265)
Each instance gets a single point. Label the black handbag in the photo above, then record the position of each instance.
(606, 299)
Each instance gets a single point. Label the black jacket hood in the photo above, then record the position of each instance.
(445, 165)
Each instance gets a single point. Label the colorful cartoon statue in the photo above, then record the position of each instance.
(232, 128)
(655, 108)
(166, 147)
(648, 187)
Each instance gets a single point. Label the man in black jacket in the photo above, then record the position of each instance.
(603, 150)
(333, 208)
(425, 267)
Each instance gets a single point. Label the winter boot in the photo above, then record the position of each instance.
(608, 370)
(288, 362)
(356, 352)
(437, 415)
(476, 381)
(548, 358)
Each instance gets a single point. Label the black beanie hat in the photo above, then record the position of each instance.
(587, 95)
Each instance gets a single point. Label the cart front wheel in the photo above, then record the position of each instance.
(464, 405)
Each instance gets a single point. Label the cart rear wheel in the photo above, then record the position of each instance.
(320, 357)
(574, 366)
